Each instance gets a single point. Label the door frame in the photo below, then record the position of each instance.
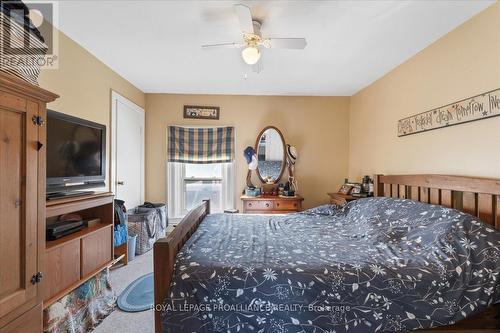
(115, 98)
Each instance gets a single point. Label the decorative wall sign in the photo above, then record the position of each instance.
(201, 112)
(479, 107)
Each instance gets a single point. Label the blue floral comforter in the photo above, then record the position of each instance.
(378, 264)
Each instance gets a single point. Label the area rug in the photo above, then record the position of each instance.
(138, 296)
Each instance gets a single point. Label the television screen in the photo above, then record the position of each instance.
(74, 147)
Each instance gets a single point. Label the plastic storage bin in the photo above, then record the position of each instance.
(132, 240)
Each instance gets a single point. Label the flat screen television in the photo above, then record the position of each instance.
(76, 154)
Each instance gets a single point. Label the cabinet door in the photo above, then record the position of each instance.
(29, 322)
(96, 250)
(18, 206)
(64, 263)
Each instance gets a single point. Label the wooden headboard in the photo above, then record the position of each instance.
(477, 196)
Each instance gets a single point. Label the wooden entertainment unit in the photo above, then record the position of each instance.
(75, 258)
(35, 273)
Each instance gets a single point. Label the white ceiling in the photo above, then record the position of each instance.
(156, 44)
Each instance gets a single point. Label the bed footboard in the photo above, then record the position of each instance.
(165, 251)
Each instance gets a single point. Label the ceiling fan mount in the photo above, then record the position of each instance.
(252, 39)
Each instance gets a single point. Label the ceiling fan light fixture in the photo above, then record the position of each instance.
(250, 55)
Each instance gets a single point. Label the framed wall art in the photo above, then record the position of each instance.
(474, 108)
(201, 112)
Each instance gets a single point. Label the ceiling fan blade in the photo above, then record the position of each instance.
(285, 43)
(245, 18)
(233, 45)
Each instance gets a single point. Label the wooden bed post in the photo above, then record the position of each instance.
(378, 187)
(207, 202)
(164, 252)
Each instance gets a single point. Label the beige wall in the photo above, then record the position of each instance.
(464, 63)
(84, 85)
(317, 126)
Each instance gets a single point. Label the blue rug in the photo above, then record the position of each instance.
(138, 296)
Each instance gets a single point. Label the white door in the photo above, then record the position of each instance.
(128, 152)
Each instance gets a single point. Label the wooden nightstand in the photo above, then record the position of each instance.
(271, 204)
(340, 198)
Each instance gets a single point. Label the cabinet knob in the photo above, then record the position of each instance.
(250, 204)
(37, 120)
(18, 203)
(120, 182)
(37, 278)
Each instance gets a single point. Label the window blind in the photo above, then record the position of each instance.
(200, 145)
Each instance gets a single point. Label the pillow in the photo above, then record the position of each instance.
(323, 210)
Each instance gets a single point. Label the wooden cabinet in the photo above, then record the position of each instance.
(271, 204)
(73, 259)
(22, 196)
(18, 204)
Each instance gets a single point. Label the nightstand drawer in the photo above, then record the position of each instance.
(286, 205)
(259, 205)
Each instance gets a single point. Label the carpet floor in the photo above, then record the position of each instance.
(121, 277)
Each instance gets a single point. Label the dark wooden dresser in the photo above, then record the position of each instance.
(271, 204)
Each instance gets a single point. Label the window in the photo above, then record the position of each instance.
(203, 181)
(189, 184)
(200, 166)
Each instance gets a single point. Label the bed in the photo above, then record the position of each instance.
(381, 264)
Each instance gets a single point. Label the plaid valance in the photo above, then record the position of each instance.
(200, 145)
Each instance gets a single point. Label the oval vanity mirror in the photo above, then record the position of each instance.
(270, 149)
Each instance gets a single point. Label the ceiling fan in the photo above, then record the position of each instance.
(252, 39)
